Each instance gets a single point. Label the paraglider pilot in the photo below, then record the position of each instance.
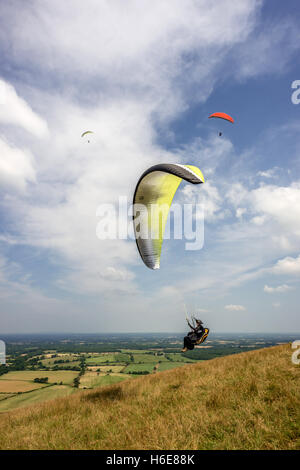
(196, 336)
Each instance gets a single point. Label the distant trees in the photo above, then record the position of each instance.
(19, 363)
(64, 367)
(41, 380)
(33, 361)
(82, 365)
(3, 369)
(76, 382)
(139, 372)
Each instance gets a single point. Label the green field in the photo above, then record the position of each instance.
(148, 367)
(170, 365)
(110, 357)
(122, 357)
(51, 362)
(161, 358)
(132, 351)
(92, 380)
(68, 366)
(178, 357)
(36, 396)
(146, 358)
(17, 388)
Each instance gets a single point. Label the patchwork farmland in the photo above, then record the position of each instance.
(42, 368)
(54, 375)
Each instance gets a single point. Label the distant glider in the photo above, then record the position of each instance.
(224, 116)
(85, 133)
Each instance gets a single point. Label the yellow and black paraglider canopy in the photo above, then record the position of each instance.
(152, 199)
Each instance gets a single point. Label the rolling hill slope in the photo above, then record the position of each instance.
(245, 401)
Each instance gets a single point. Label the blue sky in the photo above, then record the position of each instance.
(145, 76)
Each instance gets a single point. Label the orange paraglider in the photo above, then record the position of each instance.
(222, 116)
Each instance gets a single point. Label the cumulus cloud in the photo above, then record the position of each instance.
(235, 308)
(268, 173)
(240, 211)
(237, 194)
(274, 213)
(279, 289)
(148, 49)
(280, 203)
(15, 111)
(116, 274)
(16, 167)
(209, 198)
(75, 178)
(288, 265)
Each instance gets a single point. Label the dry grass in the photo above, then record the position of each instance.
(15, 386)
(245, 401)
(33, 397)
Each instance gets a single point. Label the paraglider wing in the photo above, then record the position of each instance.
(152, 200)
(222, 116)
(86, 132)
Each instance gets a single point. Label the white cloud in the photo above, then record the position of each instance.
(274, 213)
(208, 196)
(14, 110)
(153, 51)
(116, 274)
(258, 220)
(279, 289)
(268, 173)
(240, 212)
(235, 308)
(237, 194)
(287, 265)
(16, 167)
(280, 203)
(74, 178)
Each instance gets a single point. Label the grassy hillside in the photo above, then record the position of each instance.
(246, 401)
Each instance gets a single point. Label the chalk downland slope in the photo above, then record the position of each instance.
(245, 401)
